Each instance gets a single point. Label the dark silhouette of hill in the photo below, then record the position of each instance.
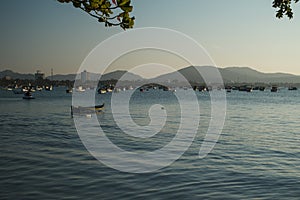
(117, 75)
(61, 77)
(15, 75)
(246, 74)
(229, 74)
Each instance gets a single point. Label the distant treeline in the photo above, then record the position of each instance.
(4, 82)
(8, 82)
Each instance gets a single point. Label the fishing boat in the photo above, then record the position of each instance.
(87, 110)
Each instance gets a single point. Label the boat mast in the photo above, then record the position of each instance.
(51, 74)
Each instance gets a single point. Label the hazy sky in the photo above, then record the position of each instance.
(42, 35)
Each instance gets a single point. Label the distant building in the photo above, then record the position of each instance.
(84, 76)
(7, 78)
(39, 75)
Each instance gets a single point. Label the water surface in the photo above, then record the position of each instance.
(256, 157)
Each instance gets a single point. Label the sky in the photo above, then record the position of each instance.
(40, 35)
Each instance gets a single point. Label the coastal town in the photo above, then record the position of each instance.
(86, 81)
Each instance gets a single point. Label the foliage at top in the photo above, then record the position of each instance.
(284, 8)
(104, 11)
(117, 12)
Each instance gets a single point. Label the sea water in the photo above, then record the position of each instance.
(256, 157)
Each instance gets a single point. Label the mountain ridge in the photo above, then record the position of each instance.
(191, 73)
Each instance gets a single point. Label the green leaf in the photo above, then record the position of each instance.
(126, 8)
(76, 4)
(123, 2)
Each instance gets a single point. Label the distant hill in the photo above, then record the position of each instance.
(229, 74)
(61, 77)
(94, 77)
(246, 74)
(15, 75)
(116, 75)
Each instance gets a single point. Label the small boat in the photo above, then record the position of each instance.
(87, 110)
(203, 89)
(28, 95)
(292, 88)
(49, 88)
(102, 91)
(130, 88)
(70, 90)
(274, 89)
(249, 89)
(228, 89)
(25, 89)
(262, 88)
(246, 88)
(38, 88)
(109, 90)
(80, 89)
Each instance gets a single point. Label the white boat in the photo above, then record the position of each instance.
(80, 89)
(102, 91)
(49, 88)
(130, 88)
(69, 90)
(38, 88)
(109, 90)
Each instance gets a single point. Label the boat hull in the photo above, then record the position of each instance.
(28, 97)
(79, 110)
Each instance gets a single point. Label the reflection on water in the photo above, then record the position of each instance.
(257, 156)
